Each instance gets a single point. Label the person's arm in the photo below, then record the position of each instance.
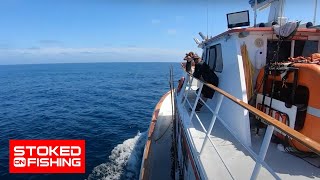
(205, 72)
(210, 75)
(197, 71)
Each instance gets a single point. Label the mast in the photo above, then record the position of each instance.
(255, 12)
(207, 19)
(315, 12)
(276, 11)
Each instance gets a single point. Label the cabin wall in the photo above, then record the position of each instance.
(231, 80)
(257, 44)
(256, 53)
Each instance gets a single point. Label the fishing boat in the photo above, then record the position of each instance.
(264, 118)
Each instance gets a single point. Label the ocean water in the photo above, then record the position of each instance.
(107, 104)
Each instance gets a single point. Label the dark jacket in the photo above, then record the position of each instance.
(188, 66)
(203, 70)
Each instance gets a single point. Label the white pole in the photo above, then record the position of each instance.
(263, 151)
(255, 12)
(283, 2)
(315, 12)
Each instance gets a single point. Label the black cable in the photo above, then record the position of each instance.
(299, 154)
(171, 91)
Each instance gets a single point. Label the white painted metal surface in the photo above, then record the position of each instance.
(232, 80)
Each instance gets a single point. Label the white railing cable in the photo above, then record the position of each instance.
(204, 103)
(254, 155)
(189, 103)
(224, 164)
(213, 120)
(198, 118)
(207, 136)
(195, 93)
(196, 101)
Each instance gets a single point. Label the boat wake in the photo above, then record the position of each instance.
(124, 161)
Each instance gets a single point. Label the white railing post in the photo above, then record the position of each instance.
(186, 94)
(213, 120)
(196, 101)
(262, 152)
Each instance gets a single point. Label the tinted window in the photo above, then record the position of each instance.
(219, 62)
(215, 58)
(212, 59)
(204, 55)
(284, 51)
(305, 48)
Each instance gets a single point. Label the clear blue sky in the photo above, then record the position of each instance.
(55, 31)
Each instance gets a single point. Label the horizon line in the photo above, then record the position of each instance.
(91, 62)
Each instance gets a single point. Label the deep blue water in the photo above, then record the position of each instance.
(103, 103)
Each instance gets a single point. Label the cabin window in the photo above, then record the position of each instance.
(215, 58)
(212, 57)
(284, 50)
(305, 48)
(301, 48)
(204, 55)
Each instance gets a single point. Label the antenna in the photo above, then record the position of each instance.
(207, 19)
(315, 12)
(196, 40)
(202, 36)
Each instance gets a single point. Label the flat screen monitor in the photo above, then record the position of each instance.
(238, 19)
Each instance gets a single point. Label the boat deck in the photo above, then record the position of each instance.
(159, 158)
(236, 162)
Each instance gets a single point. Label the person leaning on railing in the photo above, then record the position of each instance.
(203, 72)
(189, 59)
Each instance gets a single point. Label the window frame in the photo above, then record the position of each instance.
(217, 57)
(291, 49)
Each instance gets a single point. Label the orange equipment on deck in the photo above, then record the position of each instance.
(307, 96)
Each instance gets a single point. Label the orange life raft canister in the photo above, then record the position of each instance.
(308, 79)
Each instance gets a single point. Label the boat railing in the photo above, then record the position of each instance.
(271, 124)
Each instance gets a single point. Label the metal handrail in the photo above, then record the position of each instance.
(304, 140)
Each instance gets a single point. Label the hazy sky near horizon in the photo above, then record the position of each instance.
(65, 31)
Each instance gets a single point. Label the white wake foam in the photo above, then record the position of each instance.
(124, 161)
